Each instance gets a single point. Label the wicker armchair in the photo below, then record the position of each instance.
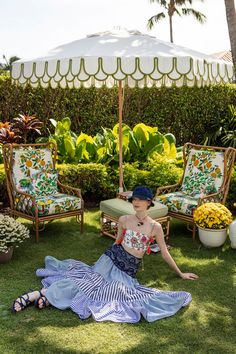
(35, 193)
(206, 178)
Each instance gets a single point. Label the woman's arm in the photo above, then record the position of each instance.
(119, 237)
(158, 232)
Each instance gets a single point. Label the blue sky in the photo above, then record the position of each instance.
(29, 28)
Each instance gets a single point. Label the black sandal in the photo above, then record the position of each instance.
(22, 302)
(44, 302)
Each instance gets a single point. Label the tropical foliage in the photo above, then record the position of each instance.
(25, 124)
(19, 129)
(187, 112)
(138, 144)
(173, 7)
(224, 130)
(8, 62)
(7, 135)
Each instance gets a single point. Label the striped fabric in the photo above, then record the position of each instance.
(107, 295)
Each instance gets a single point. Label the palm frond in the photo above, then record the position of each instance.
(161, 2)
(200, 17)
(177, 11)
(155, 19)
(182, 2)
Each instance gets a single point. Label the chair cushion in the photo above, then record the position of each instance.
(27, 161)
(48, 205)
(117, 207)
(204, 173)
(179, 202)
(44, 183)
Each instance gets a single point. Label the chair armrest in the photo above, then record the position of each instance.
(26, 199)
(214, 197)
(168, 189)
(69, 190)
(23, 195)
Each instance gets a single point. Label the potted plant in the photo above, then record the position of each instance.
(12, 234)
(212, 220)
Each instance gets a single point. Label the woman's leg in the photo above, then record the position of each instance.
(42, 301)
(25, 300)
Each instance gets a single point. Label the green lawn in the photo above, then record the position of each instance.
(206, 326)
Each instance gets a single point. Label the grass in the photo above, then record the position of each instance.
(206, 326)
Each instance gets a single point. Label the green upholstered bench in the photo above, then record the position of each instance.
(112, 209)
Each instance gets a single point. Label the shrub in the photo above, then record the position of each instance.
(162, 172)
(231, 199)
(134, 176)
(98, 182)
(173, 110)
(154, 174)
(91, 178)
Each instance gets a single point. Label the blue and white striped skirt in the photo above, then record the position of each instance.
(108, 290)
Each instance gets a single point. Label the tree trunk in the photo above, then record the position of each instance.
(171, 30)
(231, 20)
(171, 11)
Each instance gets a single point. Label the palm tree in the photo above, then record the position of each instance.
(231, 20)
(8, 62)
(172, 7)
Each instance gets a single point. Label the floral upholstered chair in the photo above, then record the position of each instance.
(34, 190)
(206, 178)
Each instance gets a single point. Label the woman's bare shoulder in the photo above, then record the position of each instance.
(124, 218)
(156, 227)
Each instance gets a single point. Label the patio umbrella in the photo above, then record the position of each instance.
(121, 58)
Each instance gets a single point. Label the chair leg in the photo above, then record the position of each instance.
(194, 231)
(37, 230)
(82, 223)
(80, 220)
(192, 227)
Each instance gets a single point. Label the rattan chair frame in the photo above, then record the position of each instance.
(16, 196)
(219, 197)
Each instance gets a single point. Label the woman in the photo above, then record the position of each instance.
(109, 290)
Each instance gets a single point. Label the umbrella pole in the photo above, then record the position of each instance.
(120, 138)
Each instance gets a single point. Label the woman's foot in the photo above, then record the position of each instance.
(24, 301)
(41, 302)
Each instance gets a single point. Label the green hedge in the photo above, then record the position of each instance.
(188, 113)
(97, 182)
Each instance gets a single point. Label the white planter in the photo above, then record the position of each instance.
(212, 237)
(232, 234)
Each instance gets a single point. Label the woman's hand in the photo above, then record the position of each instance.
(189, 276)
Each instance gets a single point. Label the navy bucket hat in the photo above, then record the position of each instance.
(143, 193)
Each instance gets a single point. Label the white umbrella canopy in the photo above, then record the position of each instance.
(119, 58)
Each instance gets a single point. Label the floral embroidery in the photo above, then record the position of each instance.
(136, 240)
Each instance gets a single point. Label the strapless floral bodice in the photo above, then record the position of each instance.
(136, 240)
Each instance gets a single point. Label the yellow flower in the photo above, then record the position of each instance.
(212, 215)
